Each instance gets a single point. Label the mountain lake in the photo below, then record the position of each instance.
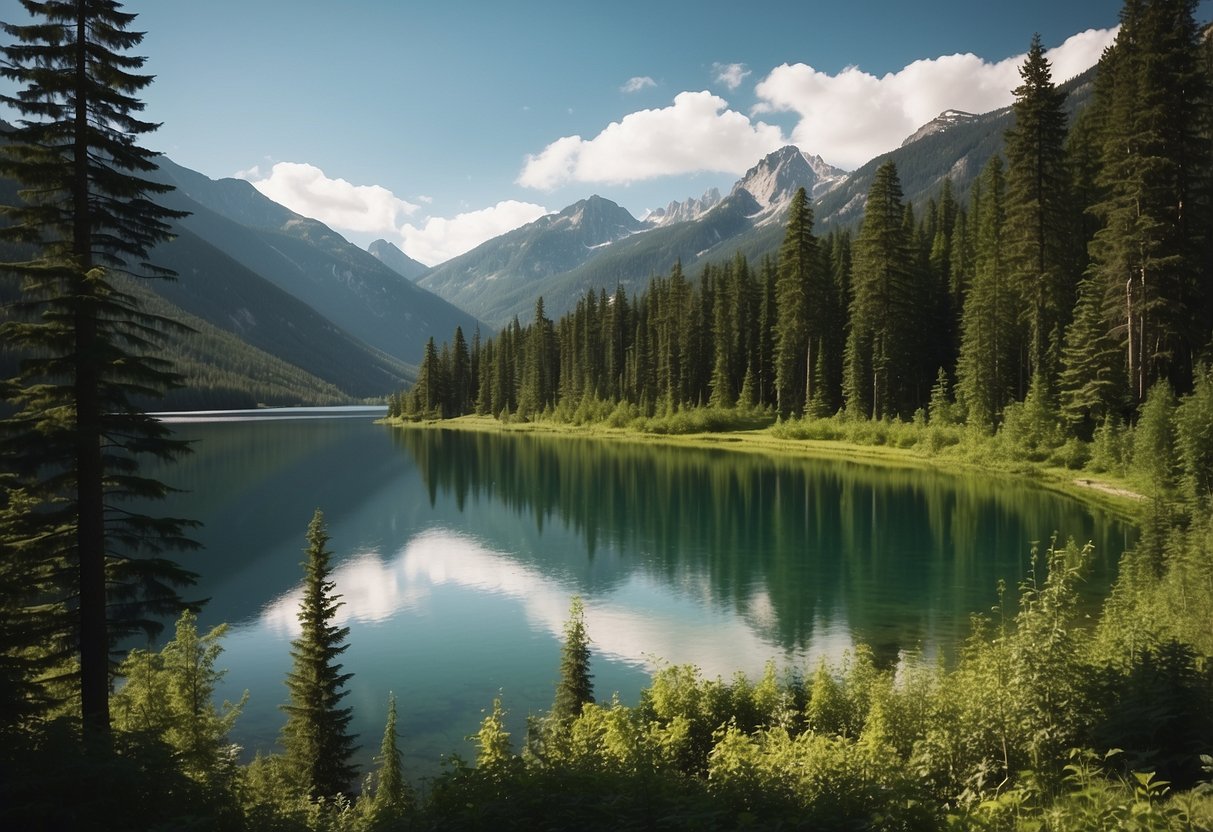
(457, 554)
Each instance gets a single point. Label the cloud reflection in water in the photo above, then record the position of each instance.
(643, 621)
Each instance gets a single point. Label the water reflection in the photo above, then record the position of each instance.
(902, 555)
(641, 621)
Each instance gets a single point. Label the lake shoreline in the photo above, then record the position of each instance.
(1108, 493)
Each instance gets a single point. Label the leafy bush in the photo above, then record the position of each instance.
(1030, 429)
(1194, 438)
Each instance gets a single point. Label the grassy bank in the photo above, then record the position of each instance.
(959, 451)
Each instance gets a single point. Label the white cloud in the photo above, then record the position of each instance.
(372, 209)
(646, 622)
(853, 116)
(696, 133)
(439, 238)
(306, 190)
(638, 83)
(731, 75)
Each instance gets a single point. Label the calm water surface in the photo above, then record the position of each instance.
(457, 554)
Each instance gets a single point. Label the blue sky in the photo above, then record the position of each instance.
(436, 124)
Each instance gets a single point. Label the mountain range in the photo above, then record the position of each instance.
(561, 258)
(598, 244)
(286, 311)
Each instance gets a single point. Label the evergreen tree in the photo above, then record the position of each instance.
(768, 314)
(882, 344)
(73, 437)
(743, 294)
(839, 324)
(387, 794)
(484, 384)
(802, 299)
(1038, 217)
(1151, 254)
(316, 738)
(723, 320)
(987, 368)
(1092, 384)
(460, 395)
(170, 694)
(537, 389)
(946, 316)
(575, 688)
(429, 390)
(492, 740)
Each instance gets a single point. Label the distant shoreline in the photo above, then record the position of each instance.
(354, 411)
(1107, 493)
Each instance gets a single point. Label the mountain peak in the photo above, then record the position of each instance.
(599, 219)
(944, 121)
(778, 175)
(689, 209)
(391, 256)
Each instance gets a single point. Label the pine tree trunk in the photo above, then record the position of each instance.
(1129, 338)
(808, 373)
(90, 524)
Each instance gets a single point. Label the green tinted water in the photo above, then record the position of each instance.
(457, 554)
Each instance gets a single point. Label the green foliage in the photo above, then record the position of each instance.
(492, 740)
(1194, 440)
(1111, 448)
(1030, 429)
(883, 343)
(169, 696)
(941, 410)
(51, 780)
(386, 796)
(990, 742)
(317, 744)
(1092, 382)
(802, 297)
(576, 687)
(1041, 218)
(1154, 456)
(73, 434)
(1150, 251)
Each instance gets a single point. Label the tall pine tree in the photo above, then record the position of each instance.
(988, 371)
(882, 344)
(319, 748)
(576, 687)
(801, 292)
(1151, 254)
(1040, 223)
(74, 439)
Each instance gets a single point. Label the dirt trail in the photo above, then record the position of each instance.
(1115, 491)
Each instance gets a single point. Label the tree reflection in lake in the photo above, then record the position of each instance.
(903, 554)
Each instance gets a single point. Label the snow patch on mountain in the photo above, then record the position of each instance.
(776, 178)
(689, 209)
(944, 121)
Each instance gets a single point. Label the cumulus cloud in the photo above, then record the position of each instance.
(731, 75)
(638, 83)
(853, 116)
(439, 238)
(696, 133)
(372, 209)
(306, 190)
